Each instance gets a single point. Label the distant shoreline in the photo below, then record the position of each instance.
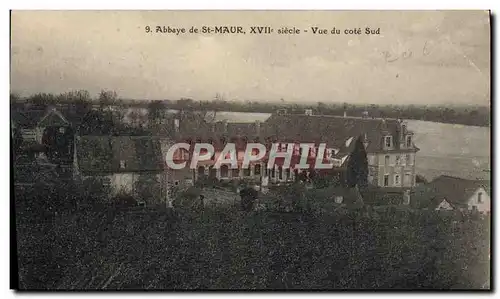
(478, 116)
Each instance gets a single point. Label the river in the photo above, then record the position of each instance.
(456, 150)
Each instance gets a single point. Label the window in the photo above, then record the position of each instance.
(201, 170)
(407, 179)
(287, 173)
(224, 171)
(398, 160)
(386, 180)
(235, 173)
(397, 179)
(332, 153)
(273, 172)
(280, 173)
(388, 142)
(185, 154)
(408, 159)
(176, 183)
(408, 141)
(256, 169)
(480, 197)
(387, 160)
(474, 208)
(246, 171)
(61, 130)
(371, 159)
(122, 164)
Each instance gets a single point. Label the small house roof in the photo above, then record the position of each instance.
(112, 154)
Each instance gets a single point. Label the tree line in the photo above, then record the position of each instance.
(466, 115)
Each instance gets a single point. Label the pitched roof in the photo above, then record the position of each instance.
(110, 154)
(333, 130)
(30, 116)
(53, 117)
(455, 190)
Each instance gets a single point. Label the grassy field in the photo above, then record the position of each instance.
(157, 248)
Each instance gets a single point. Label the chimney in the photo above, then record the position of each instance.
(224, 122)
(345, 113)
(257, 127)
(365, 141)
(308, 112)
(365, 114)
(177, 124)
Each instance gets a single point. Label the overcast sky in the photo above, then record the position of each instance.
(58, 51)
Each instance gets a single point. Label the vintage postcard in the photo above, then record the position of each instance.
(251, 150)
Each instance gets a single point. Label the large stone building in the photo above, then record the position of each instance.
(388, 142)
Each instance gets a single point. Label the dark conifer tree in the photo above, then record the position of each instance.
(357, 166)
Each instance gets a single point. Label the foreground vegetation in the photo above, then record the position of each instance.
(108, 247)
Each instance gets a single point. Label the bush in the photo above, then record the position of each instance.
(94, 191)
(188, 200)
(124, 200)
(248, 198)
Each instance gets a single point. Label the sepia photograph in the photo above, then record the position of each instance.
(250, 150)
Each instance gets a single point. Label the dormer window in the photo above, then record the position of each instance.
(281, 112)
(480, 197)
(388, 141)
(408, 141)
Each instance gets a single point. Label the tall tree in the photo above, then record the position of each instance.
(155, 112)
(357, 166)
(18, 140)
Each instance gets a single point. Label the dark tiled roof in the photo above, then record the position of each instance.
(30, 116)
(105, 154)
(455, 190)
(27, 119)
(334, 130)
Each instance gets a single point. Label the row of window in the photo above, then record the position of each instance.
(224, 171)
(388, 141)
(408, 180)
(406, 160)
(329, 152)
